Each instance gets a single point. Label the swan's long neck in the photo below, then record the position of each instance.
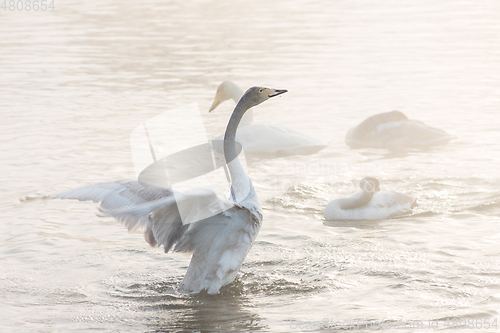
(357, 200)
(240, 183)
(236, 93)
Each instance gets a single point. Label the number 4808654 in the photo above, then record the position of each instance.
(27, 5)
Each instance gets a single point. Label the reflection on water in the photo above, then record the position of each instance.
(171, 310)
(75, 83)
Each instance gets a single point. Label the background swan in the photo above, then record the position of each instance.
(265, 139)
(369, 203)
(219, 243)
(394, 130)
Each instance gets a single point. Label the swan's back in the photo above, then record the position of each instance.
(394, 130)
(367, 126)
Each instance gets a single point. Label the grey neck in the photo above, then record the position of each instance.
(232, 126)
(236, 94)
(240, 183)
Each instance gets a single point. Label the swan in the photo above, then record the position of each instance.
(394, 130)
(218, 243)
(369, 203)
(265, 139)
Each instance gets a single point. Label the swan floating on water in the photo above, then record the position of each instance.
(394, 130)
(219, 243)
(369, 203)
(265, 139)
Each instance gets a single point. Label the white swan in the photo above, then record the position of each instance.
(369, 203)
(219, 243)
(265, 139)
(394, 130)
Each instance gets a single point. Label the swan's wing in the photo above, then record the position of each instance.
(114, 195)
(403, 199)
(164, 214)
(389, 203)
(171, 220)
(188, 207)
(231, 227)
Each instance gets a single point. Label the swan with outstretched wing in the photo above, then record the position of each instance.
(218, 232)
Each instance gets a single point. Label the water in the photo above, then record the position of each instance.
(75, 82)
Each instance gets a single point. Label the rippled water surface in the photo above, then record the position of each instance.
(75, 82)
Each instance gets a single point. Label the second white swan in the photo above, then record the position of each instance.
(265, 139)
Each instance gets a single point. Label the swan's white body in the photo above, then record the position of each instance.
(219, 243)
(382, 205)
(265, 139)
(274, 140)
(394, 130)
(369, 205)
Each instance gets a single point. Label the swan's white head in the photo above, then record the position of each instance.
(225, 91)
(256, 95)
(369, 184)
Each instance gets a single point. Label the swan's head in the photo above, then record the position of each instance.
(225, 91)
(256, 95)
(369, 184)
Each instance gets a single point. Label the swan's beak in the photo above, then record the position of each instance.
(276, 92)
(216, 103)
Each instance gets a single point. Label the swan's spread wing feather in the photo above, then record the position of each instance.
(165, 215)
(186, 207)
(114, 195)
